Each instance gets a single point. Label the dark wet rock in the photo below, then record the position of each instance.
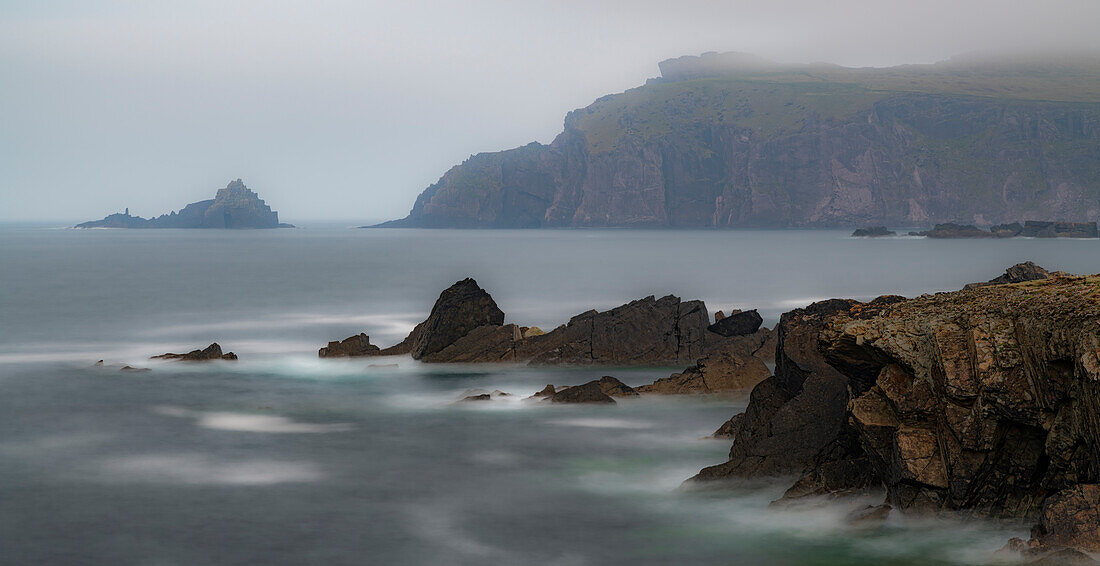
(131, 369)
(591, 392)
(952, 230)
(615, 388)
(482, 344)
(729, 428)
(1038, 229)
(873, 232)
(352, 347)
(1019, 273)
(235, 206)
(738, 323)
(716, 373)
(211, 352)
(547, 391)
(460, 309)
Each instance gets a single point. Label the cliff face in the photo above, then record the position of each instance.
(742, 143)
(235, 206)
(985, 399)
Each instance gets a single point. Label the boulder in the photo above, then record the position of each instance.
(716, 373)
(873, 232)
(352, 347)
(211, 352)
(1019, 273)
(461, 308)
(591, 392)
(737, 323)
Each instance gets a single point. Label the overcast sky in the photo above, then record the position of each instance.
(347, 110)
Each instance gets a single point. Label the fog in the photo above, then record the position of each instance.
(347, 110)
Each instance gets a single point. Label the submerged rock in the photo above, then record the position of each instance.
(352, 347)
(211, 352)
(873, 232)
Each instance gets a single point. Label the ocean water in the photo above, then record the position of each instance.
(282, 458)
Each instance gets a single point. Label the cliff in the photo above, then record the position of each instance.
(736, 141)
(235, 206)
(984, 399)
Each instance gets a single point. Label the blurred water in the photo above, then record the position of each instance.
(286, 459)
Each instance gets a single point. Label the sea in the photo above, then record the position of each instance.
(284, 458)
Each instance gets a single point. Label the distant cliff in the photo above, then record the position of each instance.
(235, 206)
(731, 140)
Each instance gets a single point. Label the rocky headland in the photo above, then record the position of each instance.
(730, 140)
(984, 401)
(235, 206)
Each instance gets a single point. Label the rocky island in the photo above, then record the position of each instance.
(234, 207)
(731, 140)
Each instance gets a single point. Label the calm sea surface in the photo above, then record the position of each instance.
(282, 458)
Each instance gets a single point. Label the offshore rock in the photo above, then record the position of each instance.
(873, 232)
(459, 309)
(737, 323)
(235, 206)
(1037, 229)
(211, 352)
(716, 373)
(352, 347)
(952, 230)
(591, 392)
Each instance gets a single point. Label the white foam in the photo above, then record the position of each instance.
(202, 469)
(243, 422)
(601, 423)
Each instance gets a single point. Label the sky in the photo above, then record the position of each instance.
(347, 110)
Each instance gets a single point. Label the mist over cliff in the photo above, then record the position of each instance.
(733, 140)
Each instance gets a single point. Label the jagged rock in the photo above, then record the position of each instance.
(648, 331)
(873, 232)
(615, 388)
(729, 428)
(482, 344)
(1038, 229)
(737, 323)
(235, 206)
(211, 352)
(354, 346)
(1071, 518)
(461, 308)
(952, 230)
(547, 391)
(720, 315)
(591, 392)
(716, 373)
(1018, 273)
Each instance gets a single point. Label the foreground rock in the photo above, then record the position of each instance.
(737, 323)
(873, 232)
(235, 206)
(211, 352)
(983, 400)
(353, 347)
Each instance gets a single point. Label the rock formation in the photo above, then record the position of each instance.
(211, 352)
(983, 400)
(1019, 273)
(873, 232)
(235, 206)
(460, 308)
(950, 230)
(352, 347)
(1030, 229)
(737, 323)
(717, 143)
(716, 373)
(1036, 229)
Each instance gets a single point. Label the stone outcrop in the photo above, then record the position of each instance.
(235, 206)
(760, 146)
(1019, 273)
(352, 347)
(737, 323)
(983, 400)
(873, 232)
(716, 373)
(460, 308)
(211, 352)
(596, 391)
